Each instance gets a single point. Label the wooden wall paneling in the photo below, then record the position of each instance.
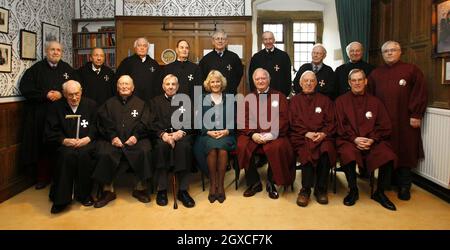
(420, 21)
(197, 31)
(13, 179)
(402, 21)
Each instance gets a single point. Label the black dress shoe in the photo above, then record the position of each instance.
(381, 198)
(186, 199)
(41, 185)
(87, 202)
(56, 209)
(351, 198)
(404, 194)
(161, 198)
(141, 195)
(106, 197)
(272, 191)
(321, 197)
(220, 197)
(252, 190)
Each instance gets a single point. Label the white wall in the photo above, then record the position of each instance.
(331, 38)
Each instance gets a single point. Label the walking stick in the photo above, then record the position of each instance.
(174, 188)
(78, 123)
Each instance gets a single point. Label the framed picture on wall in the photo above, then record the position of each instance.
(27, 45)
(50, 32)
(5, 58)
(4, 20)
(441, 28)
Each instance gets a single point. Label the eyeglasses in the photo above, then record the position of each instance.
(390, 50)
(220, 39)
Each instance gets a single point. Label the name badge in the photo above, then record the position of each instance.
(402, 82)
(318, 110)
(369, 115)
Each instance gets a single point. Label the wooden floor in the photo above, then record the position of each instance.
(31, 210)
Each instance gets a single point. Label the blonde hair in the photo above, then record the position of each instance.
(213, 74)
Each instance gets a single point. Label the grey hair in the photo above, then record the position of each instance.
(307, 72)
(140, 38)
(389, 42)
(48, 43)
(321, 46)
(214, 35)
(261, 69)
(347, 49)
(66, 85)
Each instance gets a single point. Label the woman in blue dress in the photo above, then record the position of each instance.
(216, 138)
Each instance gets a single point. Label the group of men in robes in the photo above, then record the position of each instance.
(305, 127)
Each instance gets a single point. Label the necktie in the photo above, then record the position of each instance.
(220, 54)
(97, 71)
(315, 69)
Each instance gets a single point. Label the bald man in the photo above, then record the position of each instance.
(74, 140)
(41, 86)
(144, 71)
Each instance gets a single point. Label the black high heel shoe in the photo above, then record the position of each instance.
(221, 197)
(212, 198)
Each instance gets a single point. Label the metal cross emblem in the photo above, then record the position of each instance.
(134, 113)
(276, 67)
(229, 67)
(322, 83)
(84, 123)
(106, 78)
(152, 69)
(190, 77)
(182, 109)
(66, 76)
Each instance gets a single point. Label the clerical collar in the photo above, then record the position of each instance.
(185, 60)
(143, 59)
(220, 53)
(52, 65)
(265, 91)
(95, 69)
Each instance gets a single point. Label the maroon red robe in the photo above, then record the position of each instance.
(402, 89)
(279, 152)
(363, 116)
(312, 113)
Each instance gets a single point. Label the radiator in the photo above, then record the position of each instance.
(436, 143)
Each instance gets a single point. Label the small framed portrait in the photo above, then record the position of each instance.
(445, 71)
(27, 45)
(441, 28)
(5, 58)
(4, 20)
(50, 32)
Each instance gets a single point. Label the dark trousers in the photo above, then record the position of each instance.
(382, 183)
(403, 177)
(183, 179)
(321, 172)
(252, 176)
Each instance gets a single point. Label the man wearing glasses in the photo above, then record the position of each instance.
(401, 87)
(223, 60)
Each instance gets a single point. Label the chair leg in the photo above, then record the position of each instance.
(237, 172)
(334, 179)
(371, 183)
(203, 180)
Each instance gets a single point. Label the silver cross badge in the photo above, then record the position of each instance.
(152, 69)
(229, 67)
(84, 123)
(106, 78)
(66, 76)
(276, 67)
(182, 109)
(190, 77)
(322, 83)
(134, 113)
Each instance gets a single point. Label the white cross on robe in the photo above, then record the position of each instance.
(84, 123)
(182, 109)
(106, 78)
(134, 113)
(322, 83)
(190, 77)
(276, 67)
(152, 69)
(66, 76)
(229, 67)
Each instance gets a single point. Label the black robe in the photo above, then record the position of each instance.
(146, 76)
(37, 81)
(342, 74)
(188, 74)
(73, 165)
(99, 87)
(278, 64)
(229, 65)
(180, 157)
(326, 84)
(123, 119)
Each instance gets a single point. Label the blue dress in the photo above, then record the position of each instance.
(205, 143)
